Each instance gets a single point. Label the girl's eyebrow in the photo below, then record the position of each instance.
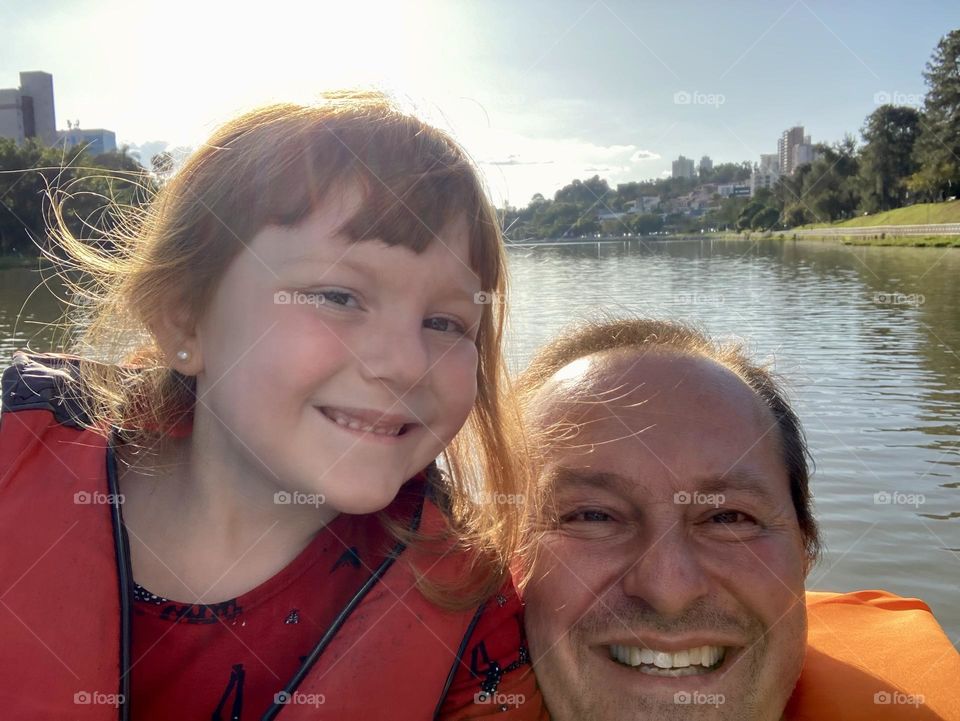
(312, 258)
(457, 291)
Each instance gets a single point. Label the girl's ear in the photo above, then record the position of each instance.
(176, 335)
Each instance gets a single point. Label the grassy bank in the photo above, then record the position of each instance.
(903, 241)
(920, 214)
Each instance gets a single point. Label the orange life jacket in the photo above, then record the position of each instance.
(873, 656)
(389, 653)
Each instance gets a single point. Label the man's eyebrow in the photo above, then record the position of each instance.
(561, 477)
(738, 481)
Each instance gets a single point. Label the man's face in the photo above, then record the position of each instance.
(670, 581)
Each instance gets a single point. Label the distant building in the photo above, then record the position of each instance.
(794, 149)
(785, 149)
(766, 173)
(611, 215)
(769, 163)
(706, 165)
(683, 167)
(95, 140)
(804, 153)
(643, 204)
(733, 190)
(28, 111)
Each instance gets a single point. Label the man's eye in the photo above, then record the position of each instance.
(444, 325)
(729, 517)
(589, 516)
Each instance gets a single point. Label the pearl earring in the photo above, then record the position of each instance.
(183, 355)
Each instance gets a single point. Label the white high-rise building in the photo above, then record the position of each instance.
(766, 173)
(683, 167)
(28, 111)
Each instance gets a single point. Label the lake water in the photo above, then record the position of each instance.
(869, 338)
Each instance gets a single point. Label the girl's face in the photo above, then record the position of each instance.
(335, 368)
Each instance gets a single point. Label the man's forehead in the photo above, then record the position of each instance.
(644, 380)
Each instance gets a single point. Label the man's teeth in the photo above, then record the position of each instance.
(702, 656)
(353, 424)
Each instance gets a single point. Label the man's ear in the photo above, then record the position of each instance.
(175, 330)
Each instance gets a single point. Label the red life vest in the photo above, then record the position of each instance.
(389, 652)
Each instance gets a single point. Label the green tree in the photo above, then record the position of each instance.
(887, 160)
(831, 187)
(796, 214)
(87, 191)
(745, 219)
(584, 192)
(646, 224)
(938, 147)
(765, 219)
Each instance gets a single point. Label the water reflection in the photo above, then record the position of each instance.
(867, 336)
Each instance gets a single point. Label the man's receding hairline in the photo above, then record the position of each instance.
(554, 391)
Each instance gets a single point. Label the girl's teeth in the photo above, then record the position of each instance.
(355, 425)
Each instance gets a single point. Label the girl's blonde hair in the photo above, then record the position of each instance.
(274, 166)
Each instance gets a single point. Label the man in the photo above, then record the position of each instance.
(674, 536)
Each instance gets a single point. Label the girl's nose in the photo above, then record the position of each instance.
(397, 354)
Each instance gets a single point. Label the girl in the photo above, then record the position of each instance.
(226, 504)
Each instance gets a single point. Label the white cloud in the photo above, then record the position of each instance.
(642, 155)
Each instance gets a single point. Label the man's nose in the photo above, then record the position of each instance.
(667, 575)
(396, 353)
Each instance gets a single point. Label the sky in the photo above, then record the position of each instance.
(539, 93)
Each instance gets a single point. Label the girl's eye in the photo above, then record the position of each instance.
(444, 325)
(730, 517)
(337, 297)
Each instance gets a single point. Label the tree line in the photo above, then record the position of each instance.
(88, 189)
(907, 155)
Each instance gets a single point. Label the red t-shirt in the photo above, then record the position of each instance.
(228, 660)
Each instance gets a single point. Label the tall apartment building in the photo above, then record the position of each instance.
(28, 111)
(769, 163)
(788, 140)
(683, 167)
(765, 173)
(794, 149)
(706, 165)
